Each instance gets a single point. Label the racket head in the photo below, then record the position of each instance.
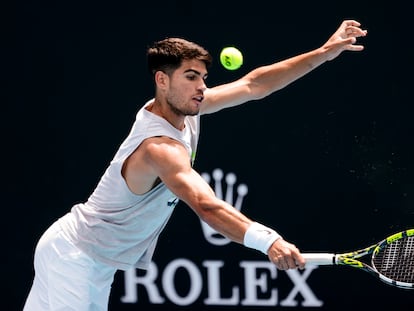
(393, 259)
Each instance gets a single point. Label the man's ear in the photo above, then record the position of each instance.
(161, 79)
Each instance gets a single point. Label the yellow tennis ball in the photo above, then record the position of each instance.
(231, 58)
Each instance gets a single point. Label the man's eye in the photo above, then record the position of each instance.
(192, 77)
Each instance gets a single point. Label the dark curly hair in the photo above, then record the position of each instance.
(167, 55)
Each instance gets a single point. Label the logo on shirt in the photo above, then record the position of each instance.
(172, 202)
(224, 187)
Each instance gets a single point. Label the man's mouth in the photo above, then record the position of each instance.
(199, 98)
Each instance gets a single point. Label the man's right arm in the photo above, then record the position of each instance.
(169, 160)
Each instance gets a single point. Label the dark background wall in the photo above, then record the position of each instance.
(327, 160)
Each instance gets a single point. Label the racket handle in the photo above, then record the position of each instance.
(319, 259)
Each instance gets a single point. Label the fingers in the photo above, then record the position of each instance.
(350, 33)
(344, 39)
(300, 262)
(351, 22)
(349, 44)
(351, 28)
(285, 263)
(289, 262)
(353, 47)
(355, 31)
(286, 256)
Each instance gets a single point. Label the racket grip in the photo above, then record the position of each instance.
(319, 259)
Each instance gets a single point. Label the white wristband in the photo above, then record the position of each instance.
(260, 237)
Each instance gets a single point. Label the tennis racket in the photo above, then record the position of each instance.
(392, 259)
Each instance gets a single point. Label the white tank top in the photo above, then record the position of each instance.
(116, 226)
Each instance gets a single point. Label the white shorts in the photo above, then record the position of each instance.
(66, 279)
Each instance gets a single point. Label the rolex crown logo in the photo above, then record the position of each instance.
(224, 188)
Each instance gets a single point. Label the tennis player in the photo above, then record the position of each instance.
(118, 226)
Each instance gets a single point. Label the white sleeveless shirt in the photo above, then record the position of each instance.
(116, 226)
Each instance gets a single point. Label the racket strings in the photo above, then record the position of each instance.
(396, 260)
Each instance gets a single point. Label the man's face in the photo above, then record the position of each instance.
(186, 87)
